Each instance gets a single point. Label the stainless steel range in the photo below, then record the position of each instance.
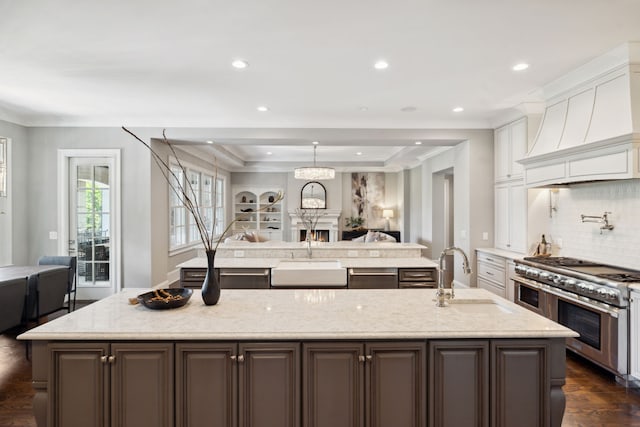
(588, 297)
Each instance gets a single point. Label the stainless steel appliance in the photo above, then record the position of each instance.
(588, 297)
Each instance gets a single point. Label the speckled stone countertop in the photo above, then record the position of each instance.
(502, 253)
(303, 315)
(344, 262)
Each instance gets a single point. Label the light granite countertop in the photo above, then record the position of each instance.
(200, 262)
(303, 314)
(502, 253)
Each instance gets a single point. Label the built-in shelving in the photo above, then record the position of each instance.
(255, 211)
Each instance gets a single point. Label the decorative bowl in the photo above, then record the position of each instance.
(163, 299)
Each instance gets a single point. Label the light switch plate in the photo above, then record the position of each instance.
(53, 235)
(485, 235)
(374, 253)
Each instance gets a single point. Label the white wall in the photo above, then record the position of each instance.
(19, 169)
(620, 246)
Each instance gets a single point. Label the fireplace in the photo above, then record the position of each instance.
(327, 226)
(316, 236)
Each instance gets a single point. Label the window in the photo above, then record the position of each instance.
(207, 191)
(3, 167)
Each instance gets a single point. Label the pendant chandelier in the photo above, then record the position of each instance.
(314, 173)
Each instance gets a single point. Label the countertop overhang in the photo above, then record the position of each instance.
(200, 262)
(316, 314)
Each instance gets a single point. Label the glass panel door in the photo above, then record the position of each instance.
(90, 223)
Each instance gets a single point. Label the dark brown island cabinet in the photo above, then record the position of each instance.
(306, 383)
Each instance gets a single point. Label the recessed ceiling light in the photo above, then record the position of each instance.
(315, 143)
(263, 108)
(381, 65)
(209, 141)
(409, 109)
(418, 142)
(269, 153)
(359, 153)
(240, 63)
(520, 67)
(363, 108)
(458, 109)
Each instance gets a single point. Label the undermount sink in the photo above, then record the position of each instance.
(307, 273)
(477, 305)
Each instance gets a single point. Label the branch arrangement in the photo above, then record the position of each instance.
(187, 195)
(310, 217)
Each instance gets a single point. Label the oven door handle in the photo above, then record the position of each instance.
(602, 308)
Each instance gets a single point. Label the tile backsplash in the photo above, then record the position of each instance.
(620, 246)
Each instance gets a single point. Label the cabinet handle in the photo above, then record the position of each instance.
(112, 359)
(240, 358)
(233, 357)
(369, 357)
(491, 259)
(103, 359)
(361, 359)
(488, 273)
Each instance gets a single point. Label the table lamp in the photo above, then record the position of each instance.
(386, 214)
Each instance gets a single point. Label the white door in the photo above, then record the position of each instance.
(92, 224)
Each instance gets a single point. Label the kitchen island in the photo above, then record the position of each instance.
(301, 357)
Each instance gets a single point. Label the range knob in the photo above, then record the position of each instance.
(570, 283)
(557, 279)
(586, 288)
(544, 275)
(532, 272)
(521, 269)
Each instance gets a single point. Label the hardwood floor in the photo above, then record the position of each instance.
(593, 397)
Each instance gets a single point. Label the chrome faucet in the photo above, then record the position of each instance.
(441, 294)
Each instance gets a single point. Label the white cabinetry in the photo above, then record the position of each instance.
(252, 214)
(510, 145)
(635, 335)
(511, 216)
(491, 271)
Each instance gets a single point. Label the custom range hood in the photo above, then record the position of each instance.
(590, 130)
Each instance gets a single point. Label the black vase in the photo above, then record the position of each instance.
(211, 285)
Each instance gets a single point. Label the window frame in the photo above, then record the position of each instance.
(188, 236)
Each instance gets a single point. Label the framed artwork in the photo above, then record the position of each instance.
(367, 192)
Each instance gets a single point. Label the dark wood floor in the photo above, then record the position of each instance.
(593, 397)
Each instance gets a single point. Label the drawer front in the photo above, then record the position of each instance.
(418, 285)
(193, 274)
(245, 278)
(491, 287)
(417, 275)
(491, 272)
(373, 278)
(496, 261)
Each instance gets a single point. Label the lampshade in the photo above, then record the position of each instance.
(387, 213)
(314, 173)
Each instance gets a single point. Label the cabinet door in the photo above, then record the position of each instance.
(502, 217)
(458, 383)
(396, 384)
(521, 383)
(142, 385)
(206, 385)
(269, 384)
(509, 286)
(518, 217)
(78, 389)
(518, 147)
(333, 385)
(501, 153)
(635, 334)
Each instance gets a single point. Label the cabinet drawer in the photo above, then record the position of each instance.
(491, 272)
(417, 285)
(491, 259)
(193, 274)
(373, 278)
(491, 286)
(417, 275)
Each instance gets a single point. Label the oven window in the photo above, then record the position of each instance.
(583, 321)
(530, 296)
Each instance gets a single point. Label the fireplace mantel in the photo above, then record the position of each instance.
(329, 220)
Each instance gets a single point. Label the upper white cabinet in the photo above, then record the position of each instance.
(510, 145)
